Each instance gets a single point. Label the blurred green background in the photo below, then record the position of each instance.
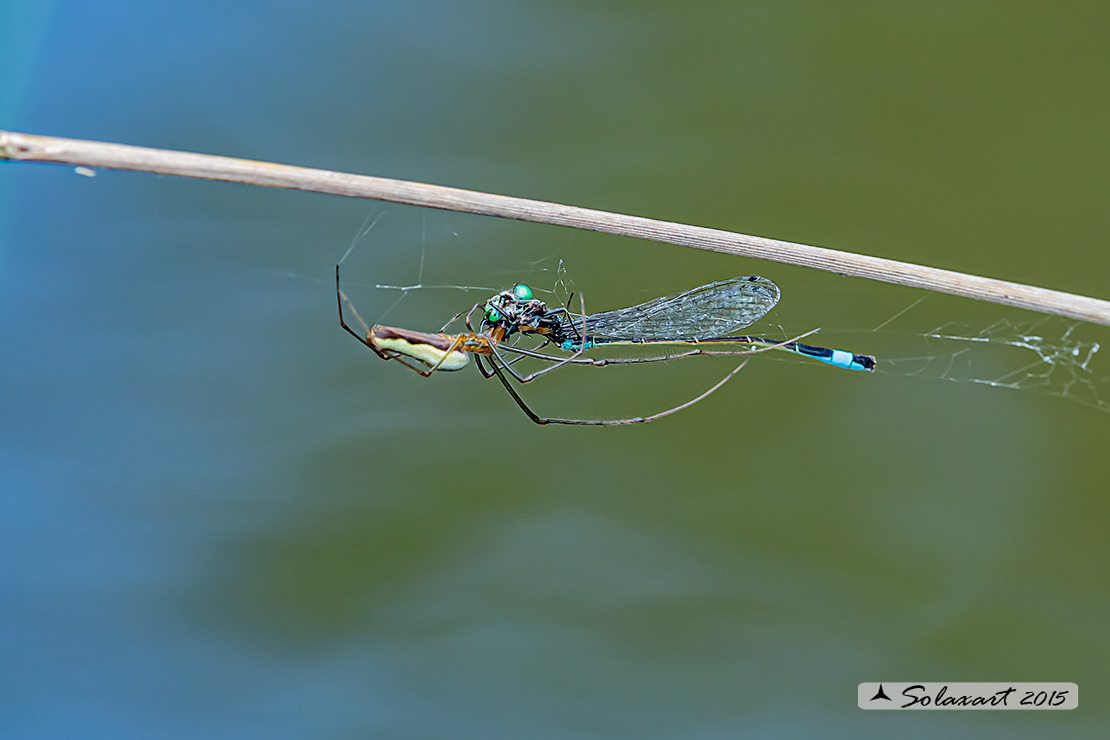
(223, 517)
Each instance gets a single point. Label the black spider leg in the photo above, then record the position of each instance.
(609, 422)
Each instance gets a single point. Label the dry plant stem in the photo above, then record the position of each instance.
(28, 147)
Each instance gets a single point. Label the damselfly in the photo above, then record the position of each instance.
(683, 318)
(705, 315)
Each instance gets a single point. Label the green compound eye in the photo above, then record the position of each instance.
(522, 292)
(493, 315)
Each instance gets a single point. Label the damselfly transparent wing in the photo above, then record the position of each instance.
(713, 310)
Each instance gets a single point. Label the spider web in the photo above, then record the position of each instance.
(547, 275)
(1044, 354)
